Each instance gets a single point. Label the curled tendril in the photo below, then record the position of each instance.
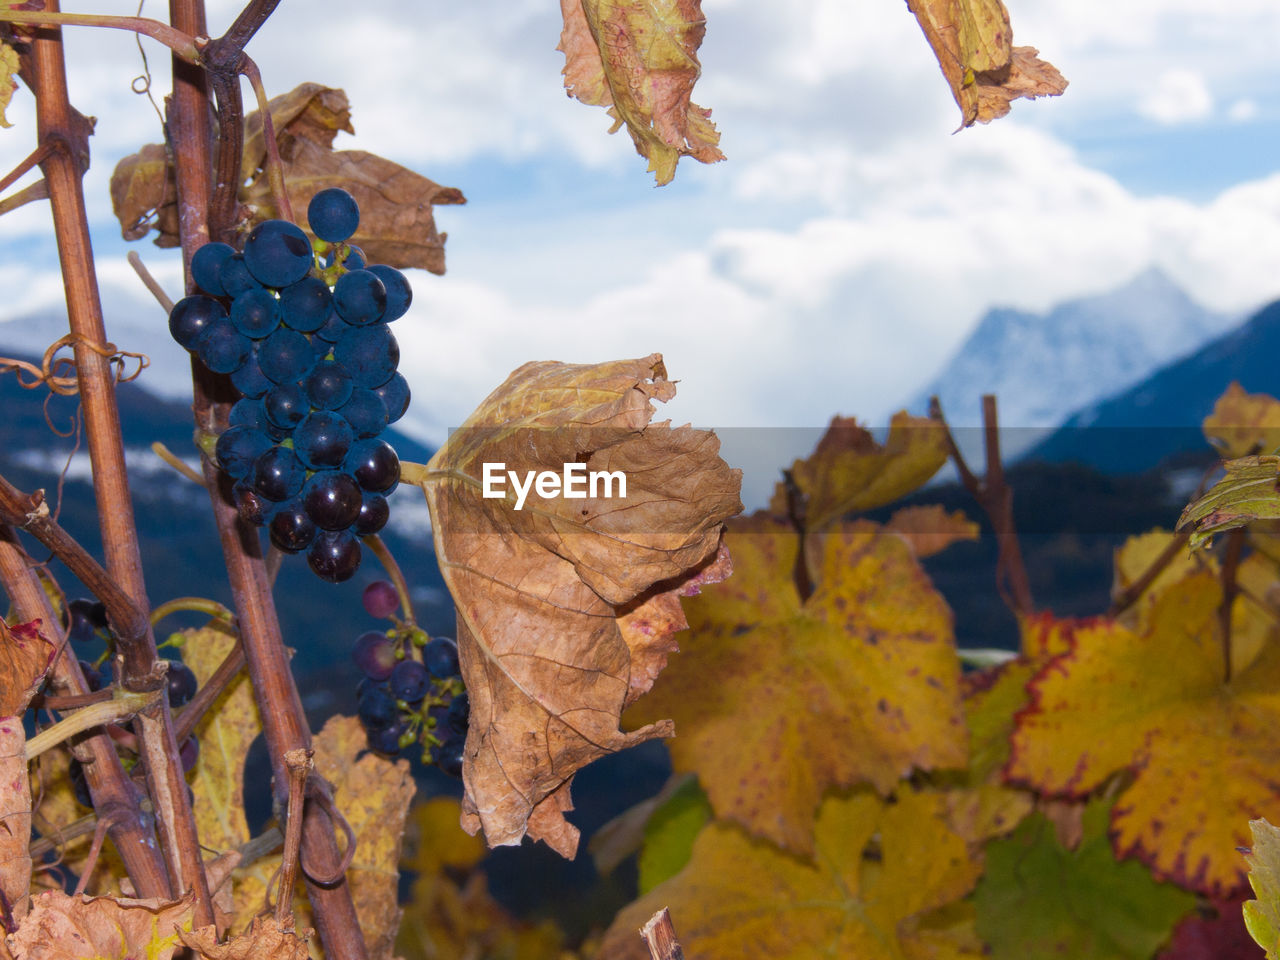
(59, 373)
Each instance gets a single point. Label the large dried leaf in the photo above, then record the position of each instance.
(1244, 423)
(779, 697)
(60, 927)
(9, 64)
(639, 58)
(15, 815)
(1038, 900)
(1262, 916)
(373, 794)
(1248, 492)
(849, 470)
(542, 591)
(144, 195)
(881, 869)
(1202, 751)
(264, 940)
(25, 657)
(973, 41)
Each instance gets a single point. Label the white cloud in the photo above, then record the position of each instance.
(1242, 111)
(1177, 96)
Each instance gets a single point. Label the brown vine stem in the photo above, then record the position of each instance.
(208, 694)
(109, 785)
(183, 45)
(660, 937)
(275, 167)
(37, 191)
(200, 218)
(299, 764)
(57, 121)
(32, 160)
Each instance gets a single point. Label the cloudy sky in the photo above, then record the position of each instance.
(831, 264)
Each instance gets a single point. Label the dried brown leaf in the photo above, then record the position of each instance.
(310, 111)
(60, 927)
(639, 58)
(973, 41)
(25, 657)
(144, 195)
(561, 618)
(9, 64)
(264, 940)
(15, 815)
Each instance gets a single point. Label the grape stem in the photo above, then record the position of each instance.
(172, 459)
(34, 158)
(194, 605)
(123, 705)
(148, 280)
(274, 165)
(183, 45)
(381, 551)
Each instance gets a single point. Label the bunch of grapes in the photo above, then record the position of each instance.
(302, 331)
(412, 689)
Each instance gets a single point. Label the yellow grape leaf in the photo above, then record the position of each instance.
(929, 529)
(880, 871)
(560, 618)
(60, 927)
(1244, 423)
(1202, 752)
(849, 471)
(373, 794)
(264, 940)
(9, 64)
(1262, 916)
(1135, 557)
(973, 42)
(779, 698)
(1248, 492)
(639, 58)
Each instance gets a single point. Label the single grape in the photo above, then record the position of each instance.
(247, 413)
(328, 386)
(182, 683)
(409, 681)
(360, 297)
(239, 448)
(79, 628)
(292, 530)
(380, 599)
(256, 313)
(322, 439)
(189, 753)
(334, 327)
(235, 276)
(286, 356)
(374, 655)
(374, 464)
(278, 474)
(459, 714)
(106, 674)
(387, 739)
(285, 405)
(394, 395)
(92, 679)
(448, 756)
(221, 347)
(191, 315)
(79, 785)
(366, 413)
(441, 658)
(278, 253)
(399, 293)
(370, 355)
(306, 305)
(206, 267)
(376, 707)
(253, 507)
(374, 514)
(332, 500)
(335, 555)
(333, 215)
(249, 379)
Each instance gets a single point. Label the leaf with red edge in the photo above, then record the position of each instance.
(25, 657)
(1202, 753)
(1216, 933)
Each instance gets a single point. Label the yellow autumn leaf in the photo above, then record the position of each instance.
(858, 682)
(929, 529)
(1201, 747)
(1135, 557)
(9, 64)
(1244, 423)
(880, 874)
(639, 58)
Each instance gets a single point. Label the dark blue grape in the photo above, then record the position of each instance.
(252, 506)
(370, 355)
(394, 395)
(360, 297)
(376, 708)
(291, 529)
(374, 514)
(239, 448)
(285, 405)
(278, 253)
(334, 327)
(189, 753)
(235, 276)
(399, 293)
(374, 655)
(335, 556)
(92, 679)
(448, 756)
(286, 356)
(106, 674)
(459, 714)
(247, 413)
(256, 313)
(333, 215)
(332, 500)
(206, 266)
(278, 474)
(191, 315)
(409, 681)
(374, 464)
(182, 683)
(249, 379)
(306, 305)
(328, 386)
(387, 739)
(221, 347)
(366, 413)
(84, 620)
(322, 439)
(441, 658)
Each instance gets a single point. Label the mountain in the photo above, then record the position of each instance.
(1159, 417)
(1043, 368)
